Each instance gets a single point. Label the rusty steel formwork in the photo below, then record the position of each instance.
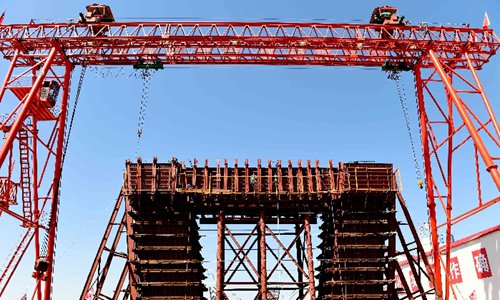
(357, 247)
(165, 203)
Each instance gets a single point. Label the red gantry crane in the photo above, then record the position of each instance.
(455, 115)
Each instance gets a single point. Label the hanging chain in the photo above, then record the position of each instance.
(146, 80)
(396, 76)
(44, 217)
(77, 97)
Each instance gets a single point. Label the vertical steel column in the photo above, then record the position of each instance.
(310, 263)
(54, 208)
(300, 261)
(262, 249)
(431, 204)
(491, 167)
(449, 185)
(219, 280)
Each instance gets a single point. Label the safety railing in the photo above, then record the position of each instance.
(370, 177)
(8, 191)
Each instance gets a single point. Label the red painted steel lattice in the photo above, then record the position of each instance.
(441, 56)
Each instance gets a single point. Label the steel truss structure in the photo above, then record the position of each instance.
(445, 60)
(358, 252)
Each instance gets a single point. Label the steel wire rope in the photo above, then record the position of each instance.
(44, 249)
(145, 75)
(73, 113)
(397, 78)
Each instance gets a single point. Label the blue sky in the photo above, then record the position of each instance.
(343, 114)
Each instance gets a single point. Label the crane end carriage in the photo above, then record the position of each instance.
(387, 15)
(97, 13)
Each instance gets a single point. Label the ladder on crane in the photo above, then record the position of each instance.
(25, 180)
(15, 258)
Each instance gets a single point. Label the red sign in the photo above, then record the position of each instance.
(482, 264)
(455, 274)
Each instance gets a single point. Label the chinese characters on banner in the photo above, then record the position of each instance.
(473, 272)
(481, 263)
(455, 273)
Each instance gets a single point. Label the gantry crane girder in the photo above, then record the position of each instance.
(444, 61)
(123, 43)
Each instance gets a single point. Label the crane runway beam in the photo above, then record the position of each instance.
(327, 44)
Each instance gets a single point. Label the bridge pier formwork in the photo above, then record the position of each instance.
(264, 218)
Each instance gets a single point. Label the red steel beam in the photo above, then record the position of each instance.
(54, 205)
(14, 261)
(121, 281)
(486, 102)
(472, 212)
(9, 73)
(270, 43)
(275, 43)
(112, 252)
(20, 218)
(240, 251)
(431, 204)
(28, 101)
(491, 167)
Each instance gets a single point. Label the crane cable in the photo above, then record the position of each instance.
(75, 105)
(396, 76)
(145, 75)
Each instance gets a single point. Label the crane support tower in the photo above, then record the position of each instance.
(445, 61)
